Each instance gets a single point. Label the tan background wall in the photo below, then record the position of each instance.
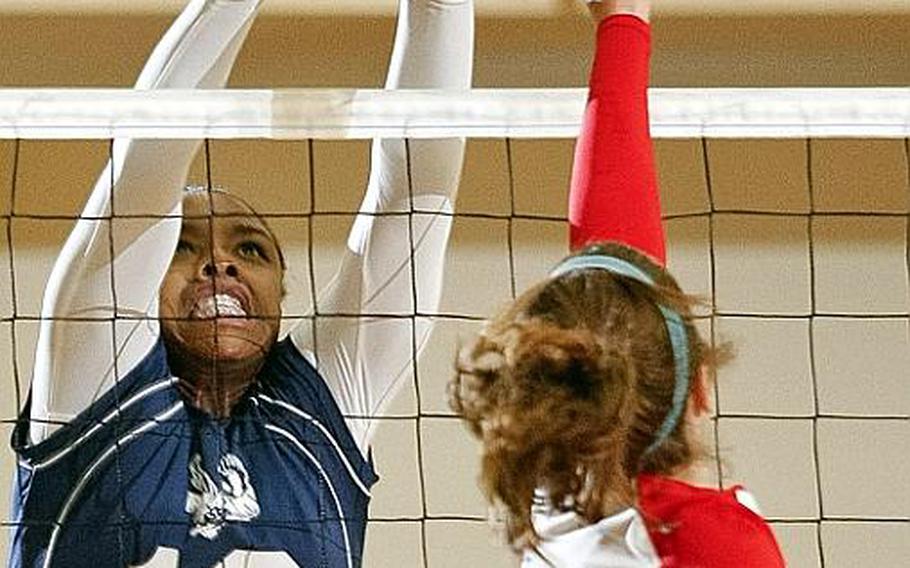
(774, 232)
(769, 50)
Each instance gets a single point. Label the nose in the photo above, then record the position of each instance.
(211, 269)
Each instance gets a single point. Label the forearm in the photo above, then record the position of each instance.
(613, 196)
(146, 177)
(434, 48)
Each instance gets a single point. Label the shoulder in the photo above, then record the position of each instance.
(291, 372)
(289, 380)
(147, 390)
(706, 527)
(727, 532)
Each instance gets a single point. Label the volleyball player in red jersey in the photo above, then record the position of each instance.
(586, 389)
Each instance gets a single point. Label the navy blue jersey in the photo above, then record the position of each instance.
(141, 473)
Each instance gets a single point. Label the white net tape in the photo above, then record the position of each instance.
(479, 113)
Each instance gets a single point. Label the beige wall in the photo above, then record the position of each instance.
(99, 50)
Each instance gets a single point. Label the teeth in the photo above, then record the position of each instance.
(218, 305)
(229, 305)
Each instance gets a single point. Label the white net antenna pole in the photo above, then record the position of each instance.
(479, 113)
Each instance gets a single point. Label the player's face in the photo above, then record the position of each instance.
(221, 296)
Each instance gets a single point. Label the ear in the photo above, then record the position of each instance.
(700, 400)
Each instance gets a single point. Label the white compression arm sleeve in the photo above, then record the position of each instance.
(75, 361)
(365, 359)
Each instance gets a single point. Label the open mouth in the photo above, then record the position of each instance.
(218, 305)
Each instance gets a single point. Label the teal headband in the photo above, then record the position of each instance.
(676, 329)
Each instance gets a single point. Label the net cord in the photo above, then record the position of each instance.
(478, 113)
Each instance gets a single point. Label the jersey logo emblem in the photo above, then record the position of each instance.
(212, 504)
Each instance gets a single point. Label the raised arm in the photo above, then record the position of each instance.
(74, 361)
(613, 196)
(364, 359)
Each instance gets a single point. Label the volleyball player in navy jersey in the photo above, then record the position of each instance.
(175, 427)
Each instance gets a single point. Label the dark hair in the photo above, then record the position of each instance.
(568, 386)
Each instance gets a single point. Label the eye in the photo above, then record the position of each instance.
(184, 246)
(251, 249)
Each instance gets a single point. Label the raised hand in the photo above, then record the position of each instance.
(601, 9)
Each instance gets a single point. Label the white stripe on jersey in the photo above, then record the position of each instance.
(90, 471)
(326, 479)
(62, 452)
(325, 432)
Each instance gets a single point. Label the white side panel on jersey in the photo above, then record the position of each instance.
(618, 541)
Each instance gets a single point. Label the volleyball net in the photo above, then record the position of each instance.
(788, 210)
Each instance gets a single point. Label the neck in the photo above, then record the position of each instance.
(210, 384)
(692, 475)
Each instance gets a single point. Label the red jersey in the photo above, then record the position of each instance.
(675, 525)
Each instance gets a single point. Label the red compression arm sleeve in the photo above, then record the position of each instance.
(613, 196)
